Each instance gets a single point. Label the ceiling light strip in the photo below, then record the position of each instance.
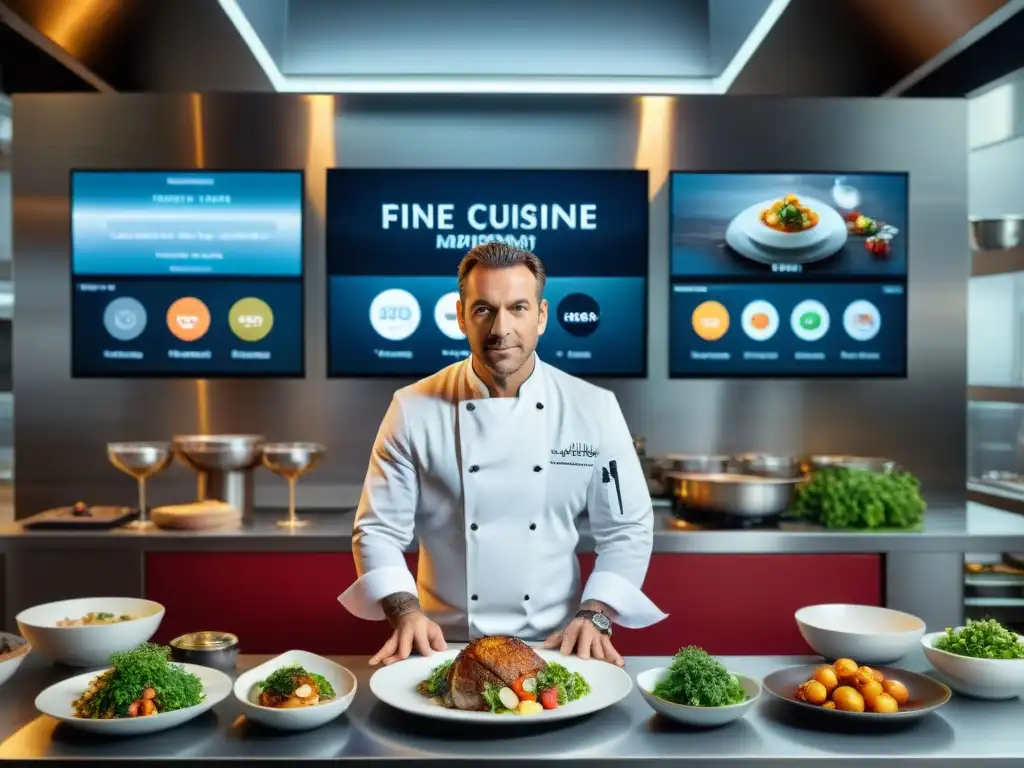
(747, 48)
(249, 36)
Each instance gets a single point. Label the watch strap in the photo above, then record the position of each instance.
(601, 622)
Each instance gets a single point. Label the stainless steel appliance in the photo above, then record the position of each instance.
(224, 464)
(736, 495)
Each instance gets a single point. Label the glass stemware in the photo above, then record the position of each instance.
(141, 460)
(291, 461)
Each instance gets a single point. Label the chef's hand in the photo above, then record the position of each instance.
(581, 637)
(412, 630)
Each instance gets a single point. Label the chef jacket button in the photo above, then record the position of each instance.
(526, 597)
(533, 526)
(474, 468)
(474, 597)
(540, 406)
(470, 407)
(537, 468)
(473, 526)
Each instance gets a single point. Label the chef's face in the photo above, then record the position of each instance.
(502, 317)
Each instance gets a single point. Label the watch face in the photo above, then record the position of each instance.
(601, 621)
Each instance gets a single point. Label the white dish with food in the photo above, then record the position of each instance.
(297, 691)
(79, 702)
(84, 632)
(993, 679)
(13, 650)
(697, 717)
(749, 235)
(501, 681)
(815, 222)
(870, 634)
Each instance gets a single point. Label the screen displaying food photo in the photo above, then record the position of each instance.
(795, 275)
(810, 224)
(395, 239)
(187, 273)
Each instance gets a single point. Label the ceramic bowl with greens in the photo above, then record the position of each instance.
(982, 659)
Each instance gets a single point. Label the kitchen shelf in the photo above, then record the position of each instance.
(1001, 262)
(996, 498)
(988, 394)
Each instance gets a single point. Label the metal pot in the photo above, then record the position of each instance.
(767, 465)
(738, 495)
(997, 234)
(868, 463)
(696, 463)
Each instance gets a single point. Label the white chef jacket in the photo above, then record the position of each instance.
(494, 487)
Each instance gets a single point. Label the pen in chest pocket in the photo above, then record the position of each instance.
(613, 470)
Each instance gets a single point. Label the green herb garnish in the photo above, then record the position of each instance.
(103, 615)
(284, 681)
(694, 679)
(147, 666)
(987, 639)
(571, 685)
(493, 700)
(839, 497)
(437, 684)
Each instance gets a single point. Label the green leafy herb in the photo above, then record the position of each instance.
(284, 681)
(571, 685)
(147, 666)
(839, 497)
(697, 680)
(986, 639)
(492, 699)
(104, 615)
(437, 684)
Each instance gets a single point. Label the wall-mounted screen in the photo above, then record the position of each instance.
(187, 273)
(395, 239)
(795, 275)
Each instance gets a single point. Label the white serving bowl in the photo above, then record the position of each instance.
(9, 664)
(88, 646)
(697, 717)
(829, 221)
(865, 633)
(57, 701)
(977, 678)
(303, 718)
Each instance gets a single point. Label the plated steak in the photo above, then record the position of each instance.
(498, 661)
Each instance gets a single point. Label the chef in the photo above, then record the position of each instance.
(490, 462)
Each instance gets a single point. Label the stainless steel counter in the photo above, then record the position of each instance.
(964, 732)
(975, 528)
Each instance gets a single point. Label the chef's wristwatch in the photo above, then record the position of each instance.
(599, 620)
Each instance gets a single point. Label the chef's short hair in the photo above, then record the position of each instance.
(500, 256)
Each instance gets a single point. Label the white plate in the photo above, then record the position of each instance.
(750, 238)
(56, 701)
(306, 718)
(10, 663)
(396, 686)
(88, 646)
(700, 717)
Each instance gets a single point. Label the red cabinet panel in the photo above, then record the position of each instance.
(729, 604)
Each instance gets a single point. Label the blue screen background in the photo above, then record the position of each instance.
(259, 214)
(609, 264)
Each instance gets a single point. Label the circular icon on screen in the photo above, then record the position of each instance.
(809, 320)
(188, 319)
(579, 314)
(446, 316)
(395, 314)
(710, 320)
(862, 320)
(251, 319)
(125, 318)
(760, 320)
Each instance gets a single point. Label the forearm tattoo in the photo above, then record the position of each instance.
(398, 605)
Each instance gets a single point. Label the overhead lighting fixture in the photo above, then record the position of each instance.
(512, 84)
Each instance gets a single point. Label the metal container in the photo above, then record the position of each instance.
(867, 463)
(218, 650)
(997, 234)
(737, 495)
(766, 465)
(224, 464)
(695, 463)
